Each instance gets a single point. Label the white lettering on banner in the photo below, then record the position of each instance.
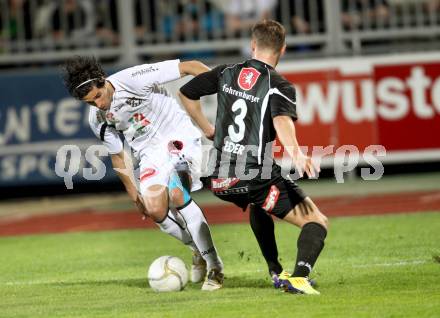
(8, 168)
(357, 113)
(28, 163)
(21, 167)
(67, 117)
(16, 125)
(391, 98)
(42, 110)
(418, 83)
(45, 168)
(315, 99)
(395, 104)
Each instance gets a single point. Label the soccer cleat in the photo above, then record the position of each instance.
(214, 280)
(198, 268)
(298, 285)
(312, 282)
(277, 279)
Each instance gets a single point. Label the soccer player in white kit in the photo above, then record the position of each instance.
(163, 139)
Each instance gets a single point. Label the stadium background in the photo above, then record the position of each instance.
(367, 72)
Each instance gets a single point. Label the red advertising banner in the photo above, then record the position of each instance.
(393, 104)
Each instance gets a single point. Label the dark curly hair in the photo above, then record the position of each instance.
(79, 69)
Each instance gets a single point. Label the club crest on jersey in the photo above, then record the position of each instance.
(139, 121)
(110, 118)
(247, 78)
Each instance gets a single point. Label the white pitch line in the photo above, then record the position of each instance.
(402, 263)
(48, 282)
(44, 282)
(34, 282)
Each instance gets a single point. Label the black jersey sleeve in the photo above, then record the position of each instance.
(283, 101)
(203, 84)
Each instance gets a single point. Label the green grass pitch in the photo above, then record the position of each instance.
(381, 266)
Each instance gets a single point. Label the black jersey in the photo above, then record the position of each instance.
(249, 95)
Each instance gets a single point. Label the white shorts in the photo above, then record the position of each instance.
(158, 163)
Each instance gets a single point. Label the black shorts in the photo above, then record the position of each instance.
(277, 196)
(231, 190)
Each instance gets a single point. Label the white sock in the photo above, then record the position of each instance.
(198, 227)
(173, 227)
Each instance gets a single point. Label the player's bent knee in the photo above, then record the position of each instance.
(318, 217)
(157, 214)
(156, 210)
(300, 219)
(177, 197)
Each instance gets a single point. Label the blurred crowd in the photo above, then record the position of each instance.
(39, 19)
(177, 20)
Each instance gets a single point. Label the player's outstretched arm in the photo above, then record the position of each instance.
(286, 132)
(190, 93)
(124, 170)
(192, 68)
(194, 109)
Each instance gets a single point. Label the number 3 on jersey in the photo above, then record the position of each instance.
(240, 108)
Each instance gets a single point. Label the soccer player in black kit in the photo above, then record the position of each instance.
(256, 104)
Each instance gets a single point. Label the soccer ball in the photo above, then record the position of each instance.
(167, 273)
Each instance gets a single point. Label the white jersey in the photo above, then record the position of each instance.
(142, 109)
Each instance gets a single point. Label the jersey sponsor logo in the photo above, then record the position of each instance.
(144, 71)
(229, 90)
(222, 184)
(271, 199)
(239, 190)
(247, 78)
(133, 102)
(148, 173)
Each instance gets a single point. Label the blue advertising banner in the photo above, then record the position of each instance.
(37, 118)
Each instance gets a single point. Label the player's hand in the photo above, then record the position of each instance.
(305, 164)
(209, 132)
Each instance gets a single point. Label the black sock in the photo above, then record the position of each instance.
(264, 230)
(310, 244)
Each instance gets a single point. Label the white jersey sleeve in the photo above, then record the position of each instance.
(140, 78)
(108, 135)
